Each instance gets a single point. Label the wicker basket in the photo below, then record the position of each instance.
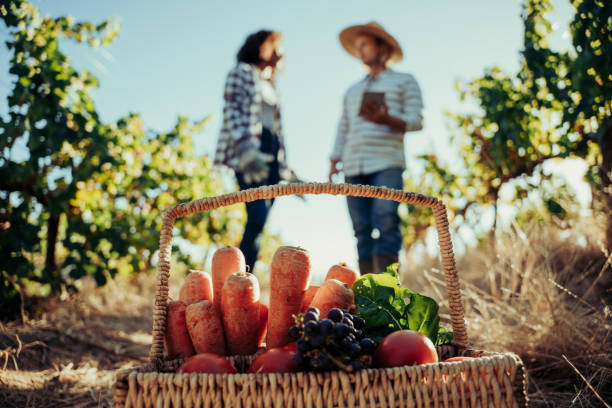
(489, 380)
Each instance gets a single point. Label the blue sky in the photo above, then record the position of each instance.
(171, 58)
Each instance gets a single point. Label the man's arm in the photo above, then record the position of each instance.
(412, 104)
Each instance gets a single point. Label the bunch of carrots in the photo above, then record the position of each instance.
(221, 312)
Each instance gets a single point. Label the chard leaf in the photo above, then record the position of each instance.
(387, 307)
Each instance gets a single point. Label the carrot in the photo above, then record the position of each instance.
(342, 273)
(308, 296)
(225, 261)
(289, 278)
(197, 286)
(332, 293)
(177, 341)
(205, 328)
(263, 324)
(240, 309)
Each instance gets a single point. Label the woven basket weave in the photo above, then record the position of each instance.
(489, 380)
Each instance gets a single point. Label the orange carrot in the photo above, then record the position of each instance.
(289, 278)
(342, 273)
(197, 286)
(240, 311)
(263, 324)
(332, 293)
(177, 341)
(308, 296)
(205, 328)
(225, 261)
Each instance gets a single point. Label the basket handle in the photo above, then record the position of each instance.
(204, 204)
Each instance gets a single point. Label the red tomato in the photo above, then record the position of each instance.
(458, 358)
(405, 347)
(275, 360)
(290, 346)
(206, 363)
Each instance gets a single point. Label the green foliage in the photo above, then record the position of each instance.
(547, 110)
(578, 81)
(85, 198)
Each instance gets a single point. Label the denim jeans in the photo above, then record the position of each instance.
(258, 210)
(368, 214)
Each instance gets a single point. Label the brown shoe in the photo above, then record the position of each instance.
(366, 266)
(382, 261)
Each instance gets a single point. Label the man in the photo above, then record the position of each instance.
(378, 110)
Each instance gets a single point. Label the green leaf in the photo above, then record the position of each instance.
(387, 307)
(445, 337)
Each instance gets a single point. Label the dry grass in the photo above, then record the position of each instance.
(68, 356)
(544, 295)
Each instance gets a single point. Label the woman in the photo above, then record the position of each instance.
(251, 141)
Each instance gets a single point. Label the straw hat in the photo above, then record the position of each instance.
(350, 34)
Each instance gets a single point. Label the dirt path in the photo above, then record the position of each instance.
(68, 356)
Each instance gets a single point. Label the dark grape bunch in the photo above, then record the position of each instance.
(336, 342)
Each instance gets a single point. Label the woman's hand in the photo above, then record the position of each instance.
(254, 166)
(333, 170)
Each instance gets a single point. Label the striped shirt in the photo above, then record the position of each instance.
(365, 147)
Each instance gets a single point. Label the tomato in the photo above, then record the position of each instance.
(463, 374)
(275, 360)
(458, 358)
(290, 346)
(405, 347)
(206, 363)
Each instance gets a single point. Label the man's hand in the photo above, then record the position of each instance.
(375, 113)
(379, 114)
(333, 170)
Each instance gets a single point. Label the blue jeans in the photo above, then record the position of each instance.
(258, 210)
(368, 214)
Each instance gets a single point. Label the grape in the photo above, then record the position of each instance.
(317, 341)
(302, 346)
(354, 350)
(347, 341)
(313, 310)
(294, 332)
(311, 327)
(326, 362)
(358, 322)
(326, 326)
(333, 343)
(341, 330)
(335, 315)
(367, 345)
(310, 316)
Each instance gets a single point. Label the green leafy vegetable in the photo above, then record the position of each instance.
(445, 336)
(386, 306)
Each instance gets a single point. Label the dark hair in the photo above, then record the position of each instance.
(249, 52)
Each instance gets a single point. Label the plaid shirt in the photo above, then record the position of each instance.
(242, 118)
